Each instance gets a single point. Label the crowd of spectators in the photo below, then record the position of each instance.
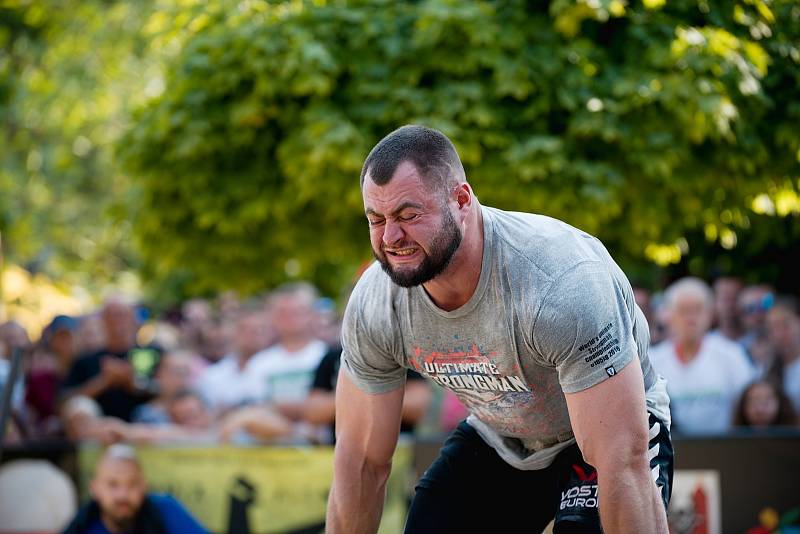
(730, 353)
(264, 369)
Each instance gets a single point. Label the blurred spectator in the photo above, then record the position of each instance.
(234, 381)
(119, 375)
(188, 409)
(452, 411)
(320, 408)
(91, 334)
(783, 328)
(218, 339)
(196, 318)
(726, 314)
(753, 303)
(229, 305)
(173, 374)
(52, 359)
(326, 324)
(705, 373)
(254, 423)
(764, 405)
(13, 335)
(287, 367)
(644, 300)
(83, 421)
(120, 502)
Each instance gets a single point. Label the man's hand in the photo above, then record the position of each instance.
(117, 373)
(610, 425)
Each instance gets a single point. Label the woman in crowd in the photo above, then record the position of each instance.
(763, 405)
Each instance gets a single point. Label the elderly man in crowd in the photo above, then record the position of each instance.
(705, 373)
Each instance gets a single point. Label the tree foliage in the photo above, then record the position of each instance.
(68, 79)
(638, 122)
(655, 125)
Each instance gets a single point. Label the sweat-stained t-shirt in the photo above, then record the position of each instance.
(552, 314)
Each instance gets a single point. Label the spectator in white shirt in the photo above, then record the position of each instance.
(287, 367)
(705, 373)
(235, 380)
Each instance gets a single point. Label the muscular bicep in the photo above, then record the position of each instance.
(609, 419)
(367, 424)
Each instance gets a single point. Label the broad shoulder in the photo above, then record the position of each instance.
(552, 247)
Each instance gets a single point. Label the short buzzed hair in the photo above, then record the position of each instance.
(431, 152)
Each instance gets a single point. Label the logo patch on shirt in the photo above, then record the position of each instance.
(610, 370)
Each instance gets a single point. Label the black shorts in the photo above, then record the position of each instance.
(469, 488)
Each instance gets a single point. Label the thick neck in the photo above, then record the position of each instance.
(456, 285)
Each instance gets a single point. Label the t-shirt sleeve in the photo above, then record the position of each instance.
(584, 327)
(368, 343)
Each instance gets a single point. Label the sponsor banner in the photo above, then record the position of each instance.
(695, 505)
(259, 490)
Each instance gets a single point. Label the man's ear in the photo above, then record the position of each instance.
(463, 194)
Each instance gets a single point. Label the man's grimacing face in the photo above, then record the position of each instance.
(413, 233)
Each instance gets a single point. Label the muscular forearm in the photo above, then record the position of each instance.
(356, 500)
(630, 501)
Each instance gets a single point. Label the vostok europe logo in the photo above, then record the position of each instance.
(583, 495)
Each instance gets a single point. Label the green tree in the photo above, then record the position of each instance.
(640, 122)
(69, 79)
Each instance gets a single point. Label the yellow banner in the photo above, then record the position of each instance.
(260, 490)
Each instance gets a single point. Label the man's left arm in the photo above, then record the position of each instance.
(609, 420)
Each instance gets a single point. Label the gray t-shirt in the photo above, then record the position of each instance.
(552, 314)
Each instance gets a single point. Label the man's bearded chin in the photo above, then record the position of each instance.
(443, 248)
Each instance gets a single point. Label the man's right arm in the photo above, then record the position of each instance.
(367, 427)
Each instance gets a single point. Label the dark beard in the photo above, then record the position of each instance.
(443, 248)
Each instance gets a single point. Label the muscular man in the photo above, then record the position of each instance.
(532, 324)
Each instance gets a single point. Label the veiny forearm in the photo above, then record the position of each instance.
(630, 501)
(356, 500)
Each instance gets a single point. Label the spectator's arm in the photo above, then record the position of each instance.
(294, 411)
(258, 421)
(416, 401)
(320, 407)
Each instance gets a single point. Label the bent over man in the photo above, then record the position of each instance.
(532, 325)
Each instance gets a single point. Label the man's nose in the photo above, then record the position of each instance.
(392, 233)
